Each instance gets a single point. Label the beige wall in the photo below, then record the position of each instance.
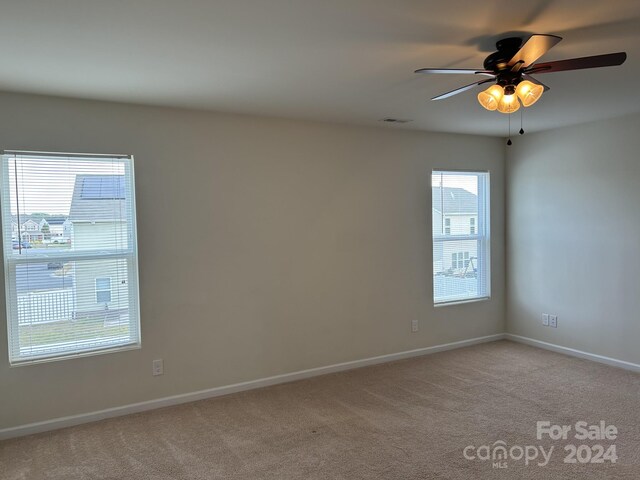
(266, 246)
(574, 237)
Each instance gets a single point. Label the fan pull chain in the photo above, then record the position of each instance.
(509, 142)
(521, 132)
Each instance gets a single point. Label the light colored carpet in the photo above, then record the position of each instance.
(405, 420)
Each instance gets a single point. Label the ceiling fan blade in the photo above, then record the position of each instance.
(463, 71)
(596, 61)
(462, 89)
(535, 80)
(533, 49)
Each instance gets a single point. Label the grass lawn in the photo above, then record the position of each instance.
(50, 333)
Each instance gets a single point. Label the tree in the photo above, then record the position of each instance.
(46, 231)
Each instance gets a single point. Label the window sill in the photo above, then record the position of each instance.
(461, 302)
(67, 356)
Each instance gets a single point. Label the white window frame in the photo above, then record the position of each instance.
(130, 254)
(103, 290)
(481, 236)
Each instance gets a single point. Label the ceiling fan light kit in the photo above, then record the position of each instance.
(505, 99)
(510, 69)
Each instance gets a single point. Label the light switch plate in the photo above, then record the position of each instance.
(158, 367)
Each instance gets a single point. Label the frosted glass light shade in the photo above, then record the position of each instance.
(529, 93)
(490, 97)
(508, 104)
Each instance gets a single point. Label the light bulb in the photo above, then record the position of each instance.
(529, 93)
(490, 97)
(508, 104)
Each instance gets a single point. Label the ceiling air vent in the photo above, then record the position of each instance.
(395, 120)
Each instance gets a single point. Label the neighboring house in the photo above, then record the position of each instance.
(56, 229)
(455, 212)
(97, 213)
(29, 228)
(67, 228)
(39, 228)
(31, 225)
(30, 231)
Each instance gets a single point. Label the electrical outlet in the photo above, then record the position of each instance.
(158, 367)
(414, 326)
(545, 319)
(553, 321)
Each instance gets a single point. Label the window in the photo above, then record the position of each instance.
(460, 227)
(77, 296)
(103, 290)
(460, 260)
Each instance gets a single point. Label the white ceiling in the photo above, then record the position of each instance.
(338, 60)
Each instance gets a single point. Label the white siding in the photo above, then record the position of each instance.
(91, 236)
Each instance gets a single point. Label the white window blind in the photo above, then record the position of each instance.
(460, 224)
(70, 254)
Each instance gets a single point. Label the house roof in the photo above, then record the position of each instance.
(55, 220)
(24, 218)
(450, 200)
(98, 198)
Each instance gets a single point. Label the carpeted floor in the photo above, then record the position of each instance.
(410, 419)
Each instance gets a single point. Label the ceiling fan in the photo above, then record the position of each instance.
(510, 71)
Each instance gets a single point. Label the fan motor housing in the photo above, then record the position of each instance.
(507, 48)
(507, 78)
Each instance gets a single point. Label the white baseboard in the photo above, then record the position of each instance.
(573, 352)
(70, 421)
